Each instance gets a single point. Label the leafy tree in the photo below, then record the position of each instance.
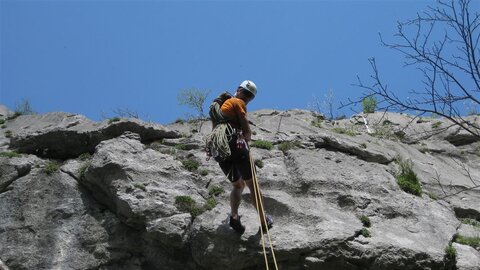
(369, 104)
(195, 99)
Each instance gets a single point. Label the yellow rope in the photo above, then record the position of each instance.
(258, 198)
(257, 204)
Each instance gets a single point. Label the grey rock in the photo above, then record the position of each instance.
(47, 222)
(13, 168)
(4, 111)
(117, 210)
(170, 231)
(467, 257)
(62, 135)
(470, 231)
(3, 266)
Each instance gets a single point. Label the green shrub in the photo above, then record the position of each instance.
(210, 204)
(407, 179)
(369, 104)
(179, 121)
(471, 221)
(365, 221)
(2, 121)
(187, 204)
(9, 154)
(85, 156)
(114, 119)
(469, 241)
(262, 144)
(259, 163)
(51, 167)
(365, 232)
(285, 146)
(190, 164)
(8, 133)
(203, 172)
(215, 190)
(436, 124)
(450, 252)
(363, 145)
(349, 132)
(4, 126)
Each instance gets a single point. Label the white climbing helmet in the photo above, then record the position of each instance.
(249, 86)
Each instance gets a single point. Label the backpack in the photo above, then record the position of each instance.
(215, 111)
(216, 143)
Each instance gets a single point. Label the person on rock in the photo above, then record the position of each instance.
(237, 166)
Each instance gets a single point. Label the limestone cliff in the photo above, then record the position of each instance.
(125, 194)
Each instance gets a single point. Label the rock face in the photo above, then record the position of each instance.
(63, 135)
(144, 198)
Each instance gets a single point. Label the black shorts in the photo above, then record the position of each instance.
(238, 163)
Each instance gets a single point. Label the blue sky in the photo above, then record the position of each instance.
(91, 57)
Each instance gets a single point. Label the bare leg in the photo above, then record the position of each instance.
(249, 183)
(236, 197)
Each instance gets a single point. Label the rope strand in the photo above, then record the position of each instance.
(258, 198)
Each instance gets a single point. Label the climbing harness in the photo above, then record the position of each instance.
(259, 203)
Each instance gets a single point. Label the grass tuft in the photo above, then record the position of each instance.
(215, 190)
(365, 221)
(259, 163)
(469, 241)
(114, 119)
(471, 221)
(9, 154)
(286, 146)
(407, 179)
(262, 144)
(349, 132)
(190, 164)
(450, 252)
(51, 167)
(365, 232)
(85, 156)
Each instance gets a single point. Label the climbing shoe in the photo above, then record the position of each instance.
(237, 225)
(269, 220)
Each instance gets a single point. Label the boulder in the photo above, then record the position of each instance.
(467, 257)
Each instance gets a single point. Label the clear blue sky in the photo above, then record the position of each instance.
(90, 57)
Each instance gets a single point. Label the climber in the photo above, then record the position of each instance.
(236, 166)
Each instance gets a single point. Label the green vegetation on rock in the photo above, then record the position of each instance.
(289, 145)
(406, 178)
(190, 164)
(51, 167)
(262, 144)
(365, 221)
(9, 154)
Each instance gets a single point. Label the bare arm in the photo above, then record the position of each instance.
(247, 133)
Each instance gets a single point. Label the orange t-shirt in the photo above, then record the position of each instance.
(233, 108)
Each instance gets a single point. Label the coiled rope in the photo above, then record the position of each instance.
(217, 141)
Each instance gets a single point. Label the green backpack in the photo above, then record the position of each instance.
(215, 111)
